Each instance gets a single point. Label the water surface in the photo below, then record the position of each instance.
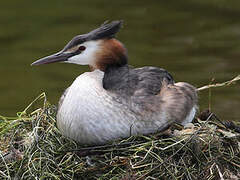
(196, 40)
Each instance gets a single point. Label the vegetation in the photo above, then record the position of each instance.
(33, 148)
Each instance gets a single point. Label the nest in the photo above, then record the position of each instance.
(33, 148)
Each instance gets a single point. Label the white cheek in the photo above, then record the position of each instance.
(88, 56)
(81, 59)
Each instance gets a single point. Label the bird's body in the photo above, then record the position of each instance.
(115, 100)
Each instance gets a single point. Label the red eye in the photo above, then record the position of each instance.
(81, 48)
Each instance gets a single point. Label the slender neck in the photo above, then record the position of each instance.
(113, 54)
(113, 74)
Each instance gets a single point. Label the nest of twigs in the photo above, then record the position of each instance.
(33, 148)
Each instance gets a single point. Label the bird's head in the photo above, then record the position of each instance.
(98, 49)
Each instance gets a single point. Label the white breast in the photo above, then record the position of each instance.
(91, 115)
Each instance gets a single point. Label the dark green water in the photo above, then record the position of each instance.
(195, 40)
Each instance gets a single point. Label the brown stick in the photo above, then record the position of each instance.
(227, 83)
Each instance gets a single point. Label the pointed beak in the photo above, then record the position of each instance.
(58, 57)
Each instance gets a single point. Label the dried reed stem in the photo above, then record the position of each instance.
(227, 83)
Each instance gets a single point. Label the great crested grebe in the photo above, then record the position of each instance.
(115, 100)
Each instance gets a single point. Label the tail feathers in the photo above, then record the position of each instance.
(180, 102)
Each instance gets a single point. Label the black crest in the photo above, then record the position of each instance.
(106, 30)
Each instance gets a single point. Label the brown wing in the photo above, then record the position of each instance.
(178, 100)
(151, 92)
